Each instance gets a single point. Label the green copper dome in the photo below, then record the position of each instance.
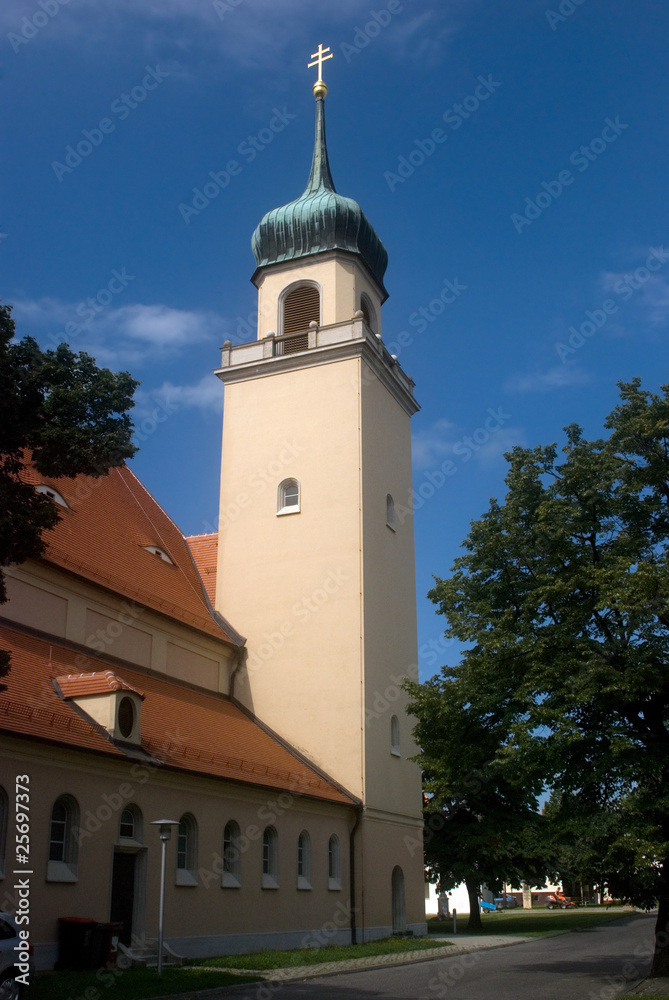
(319, 220)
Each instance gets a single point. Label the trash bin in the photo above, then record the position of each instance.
(75, 951)
(103, 945)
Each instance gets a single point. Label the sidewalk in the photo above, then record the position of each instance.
(452, 946)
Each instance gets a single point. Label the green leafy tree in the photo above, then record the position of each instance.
(481, 819)
(71, 415)
(563, 598)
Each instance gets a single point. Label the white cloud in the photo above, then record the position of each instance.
(207, 394)
(484, 444)
(559, 377)
(250, 32)
(430, 446)
(132, 334)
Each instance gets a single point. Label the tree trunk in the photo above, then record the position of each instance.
(474, 922)
(660, 966)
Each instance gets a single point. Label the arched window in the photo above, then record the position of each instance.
(301, 306)
(62, 863)
(130, 826)
(395, 735)
(4, 813)
(334, 863)
(288, 497)
(187, 850)
(270, 858)
(232, 856)
(304, 861)
(390, 512)
(368, 313)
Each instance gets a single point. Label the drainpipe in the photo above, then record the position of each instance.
(351, 869)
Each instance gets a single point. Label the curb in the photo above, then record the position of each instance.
(304, 972)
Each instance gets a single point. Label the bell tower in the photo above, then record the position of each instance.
(316, 552)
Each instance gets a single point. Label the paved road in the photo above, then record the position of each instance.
(594, 964)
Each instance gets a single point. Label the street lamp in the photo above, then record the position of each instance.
(165, 833)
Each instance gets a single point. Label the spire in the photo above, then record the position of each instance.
(319, 220)
(320, 178)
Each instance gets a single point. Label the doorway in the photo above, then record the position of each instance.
(123, 893)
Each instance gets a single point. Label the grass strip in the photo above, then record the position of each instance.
(131, 984)
(265, 960)
(532, 923)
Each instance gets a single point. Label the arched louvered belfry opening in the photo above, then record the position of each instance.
(301, 306)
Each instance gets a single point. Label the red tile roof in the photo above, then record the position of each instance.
(75, 685)
(184, 728)
(204, 549)
(102, 538)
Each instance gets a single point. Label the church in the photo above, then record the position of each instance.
(245, 685)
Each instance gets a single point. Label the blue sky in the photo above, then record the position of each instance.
(512, 155)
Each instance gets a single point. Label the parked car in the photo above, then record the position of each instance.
(506, 902)
(10, 987)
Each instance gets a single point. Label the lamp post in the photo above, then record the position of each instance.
(165, 833)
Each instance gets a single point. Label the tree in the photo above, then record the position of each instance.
(71, 416)
(481, 819)
(563, 596)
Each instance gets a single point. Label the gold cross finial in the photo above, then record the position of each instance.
(320, 90)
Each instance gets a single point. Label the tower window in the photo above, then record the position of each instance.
(301, 306)
(288, 497)
(368, 313)
(395, 736)
(390, 512)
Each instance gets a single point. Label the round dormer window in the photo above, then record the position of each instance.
(126, 717)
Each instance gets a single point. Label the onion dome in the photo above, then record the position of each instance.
(320, 219)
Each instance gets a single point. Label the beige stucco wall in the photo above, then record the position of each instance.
(195, 915)
(63, 605)
(342, 282)
(292, 583)
(320, 659)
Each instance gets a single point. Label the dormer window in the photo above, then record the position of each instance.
(52, 494)
(107, 700)
(155, 551)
